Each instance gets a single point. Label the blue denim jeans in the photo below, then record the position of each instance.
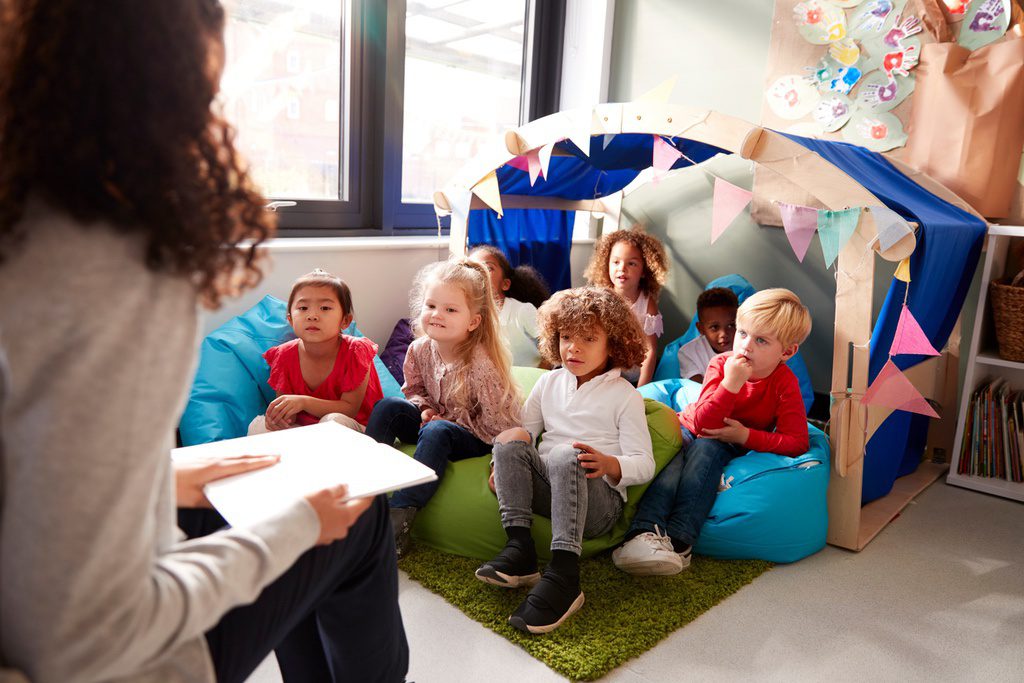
(681, 496)
(554, 485)
(437, 442)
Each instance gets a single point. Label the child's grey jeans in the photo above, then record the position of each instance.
(554, 485)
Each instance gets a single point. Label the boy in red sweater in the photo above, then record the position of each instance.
(750, 400)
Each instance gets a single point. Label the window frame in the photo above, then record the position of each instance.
(373, 152)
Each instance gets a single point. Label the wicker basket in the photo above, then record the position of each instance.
(1008, 315)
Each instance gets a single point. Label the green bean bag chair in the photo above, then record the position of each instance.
(462, 518)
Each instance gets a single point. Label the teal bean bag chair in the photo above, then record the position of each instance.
(462, 517)
(230, 386)
(773, 507)
(668, 364)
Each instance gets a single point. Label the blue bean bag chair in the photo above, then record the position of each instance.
(230, 386)
(668, 364)
(773, 507)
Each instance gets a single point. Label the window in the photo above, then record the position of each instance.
(409, 90)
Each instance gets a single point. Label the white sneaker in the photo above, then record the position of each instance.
(649, 554)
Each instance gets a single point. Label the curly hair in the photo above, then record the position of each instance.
(105, 113)
(655, 260)
(573, 311)
(526, 283)
(471, 278)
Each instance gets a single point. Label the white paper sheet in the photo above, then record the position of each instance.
(312, 458)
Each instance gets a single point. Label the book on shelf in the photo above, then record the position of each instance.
(993, 443)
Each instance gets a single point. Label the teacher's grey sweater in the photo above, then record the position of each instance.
(96, 582)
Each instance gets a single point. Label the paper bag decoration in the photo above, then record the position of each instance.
(967, 112)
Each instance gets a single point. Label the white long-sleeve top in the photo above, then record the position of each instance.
(606, 413)
(96, 583)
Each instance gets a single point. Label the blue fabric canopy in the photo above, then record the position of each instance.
(942, 266)
(542, 238)
(949, 244)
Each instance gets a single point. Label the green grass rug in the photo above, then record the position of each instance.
(623, 616)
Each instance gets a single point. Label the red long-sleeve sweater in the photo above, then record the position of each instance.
(760, 405)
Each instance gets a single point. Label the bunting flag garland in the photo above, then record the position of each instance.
(890, 226)
(892, 389)
(544, 155)
(835, 228)
(660, 93)
(520, 162)
(612, 208)
(727, 203)
(607, 139)
(800, 223)
(903, 271)
(910, 338)
(533, 163)
(664, 155)
(488, 192)
(580, 129)
(460, 203)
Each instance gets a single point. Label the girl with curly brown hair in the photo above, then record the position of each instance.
(595, 445)
(633, 264)
(123, 205)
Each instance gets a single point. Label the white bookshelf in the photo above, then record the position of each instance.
(984, 363)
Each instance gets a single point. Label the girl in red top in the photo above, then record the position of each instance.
(324, 374)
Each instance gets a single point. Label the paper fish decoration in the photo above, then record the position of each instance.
(846, 52)
(820, 21)
(870, 17)
(882, 92)
(792, 97)
(903, 29)
(985, 22)
(833, 112)
(832, 77)
(956, 7)
(879, 132)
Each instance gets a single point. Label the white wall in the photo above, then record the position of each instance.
(718, 50)
(379, 272)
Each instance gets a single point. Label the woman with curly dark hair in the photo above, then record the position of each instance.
(123, 205)
(595, 444)
(633, 264)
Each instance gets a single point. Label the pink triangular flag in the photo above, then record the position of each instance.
(800, 222)
(664, 156)
(892, 389)
(910, 338)
(728, 202)
(519, 162)
(533, 162)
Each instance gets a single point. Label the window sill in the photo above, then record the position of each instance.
(287, 244)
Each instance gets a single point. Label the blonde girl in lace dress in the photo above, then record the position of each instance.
(633, 264)
(459, 392)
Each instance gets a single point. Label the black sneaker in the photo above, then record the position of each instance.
(514, 566)
(401, 524)
(553, 600)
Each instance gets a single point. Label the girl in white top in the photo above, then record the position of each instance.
(633, 263)
(596, 443)
(517, 293)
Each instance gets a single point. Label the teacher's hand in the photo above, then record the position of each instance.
(336, 517)
(190, 477)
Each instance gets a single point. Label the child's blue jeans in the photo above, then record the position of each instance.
(437, 442)
(681, 496)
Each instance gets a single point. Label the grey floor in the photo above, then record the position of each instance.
(938, 595)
